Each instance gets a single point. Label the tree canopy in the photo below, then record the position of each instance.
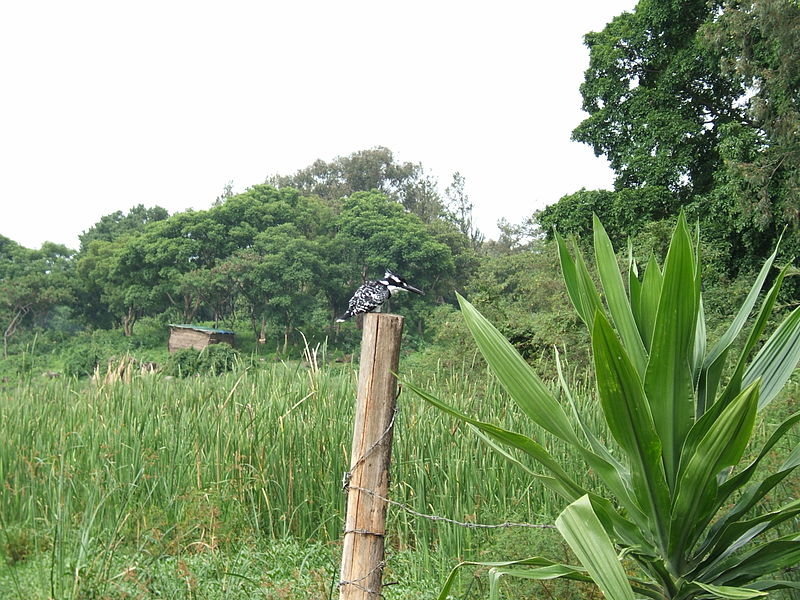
(695, 104)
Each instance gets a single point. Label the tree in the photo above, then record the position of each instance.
(657, 98)
(32, 282)
(695, 105)
(117, 224)
(281, 281)
(459, 210)
(759, 182)
(374, 233)
(366, 170)
(626, 212)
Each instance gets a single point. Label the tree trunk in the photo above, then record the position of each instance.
(128, 321)
(11, 329)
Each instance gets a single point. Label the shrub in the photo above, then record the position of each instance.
(81, 359)
(218, 358)
(214, 359)
(182, 363)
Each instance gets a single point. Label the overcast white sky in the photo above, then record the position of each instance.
(105, 105)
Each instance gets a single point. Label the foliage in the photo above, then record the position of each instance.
(656, 97)
(32, 284)
(681, 416)
(694, 104)
(365, 171)
(760, 45)
(81, 359)
(116, 225)
(133, 477)
(523, 292)
(214, 359)
(625, 213)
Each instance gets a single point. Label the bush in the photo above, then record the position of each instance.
(214, 359)
(218, 358)
(85, 351)
(182, 363)
(81, 359)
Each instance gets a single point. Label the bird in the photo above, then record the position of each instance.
(372, 294)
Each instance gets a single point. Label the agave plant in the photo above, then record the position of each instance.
(688, 520)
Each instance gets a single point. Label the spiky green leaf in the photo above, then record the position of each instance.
(616, 298)
(668, 381)
(582, 530)
(722, 445)
(517, 376)
(628, 416)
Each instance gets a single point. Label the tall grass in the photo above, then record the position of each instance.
(165, 466)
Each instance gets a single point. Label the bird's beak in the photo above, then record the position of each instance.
(411, 288)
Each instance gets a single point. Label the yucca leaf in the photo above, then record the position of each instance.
(561, 482)
(538, 403)
(647, 307)
(715, 542)
(729, 593)
(769, 585)
(668, 380)
(580, 286)
(517, 376)
(700, 323)
(613, 473)
(715, 360)
(616, 298)
(594, 442)
(740, 479)
(734, 385)
(721, 446)
(582, 530)
(547, 568)
(572, 573)
(767, 558)
(776, 360)
(741, 533)
(631, 423)
(558, 481)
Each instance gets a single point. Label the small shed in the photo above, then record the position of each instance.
(197, 337)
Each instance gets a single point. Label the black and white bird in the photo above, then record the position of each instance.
(372, 294)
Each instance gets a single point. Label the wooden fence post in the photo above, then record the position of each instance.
(361, 575)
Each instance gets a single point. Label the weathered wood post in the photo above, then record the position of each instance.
(365, 523)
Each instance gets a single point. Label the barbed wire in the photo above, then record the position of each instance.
(430, 517)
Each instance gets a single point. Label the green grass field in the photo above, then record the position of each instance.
(207, 487)
(231, 487)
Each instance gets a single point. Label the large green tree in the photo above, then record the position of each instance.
(32, 283)
(657, 97)
(118, 224)
(695, 103)
(366, 170)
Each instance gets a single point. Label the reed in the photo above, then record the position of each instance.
(166, 466)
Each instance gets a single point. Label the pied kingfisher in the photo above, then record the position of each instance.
(372, 294)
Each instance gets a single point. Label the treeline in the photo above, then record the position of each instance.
(282, 258)
(695, 104)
